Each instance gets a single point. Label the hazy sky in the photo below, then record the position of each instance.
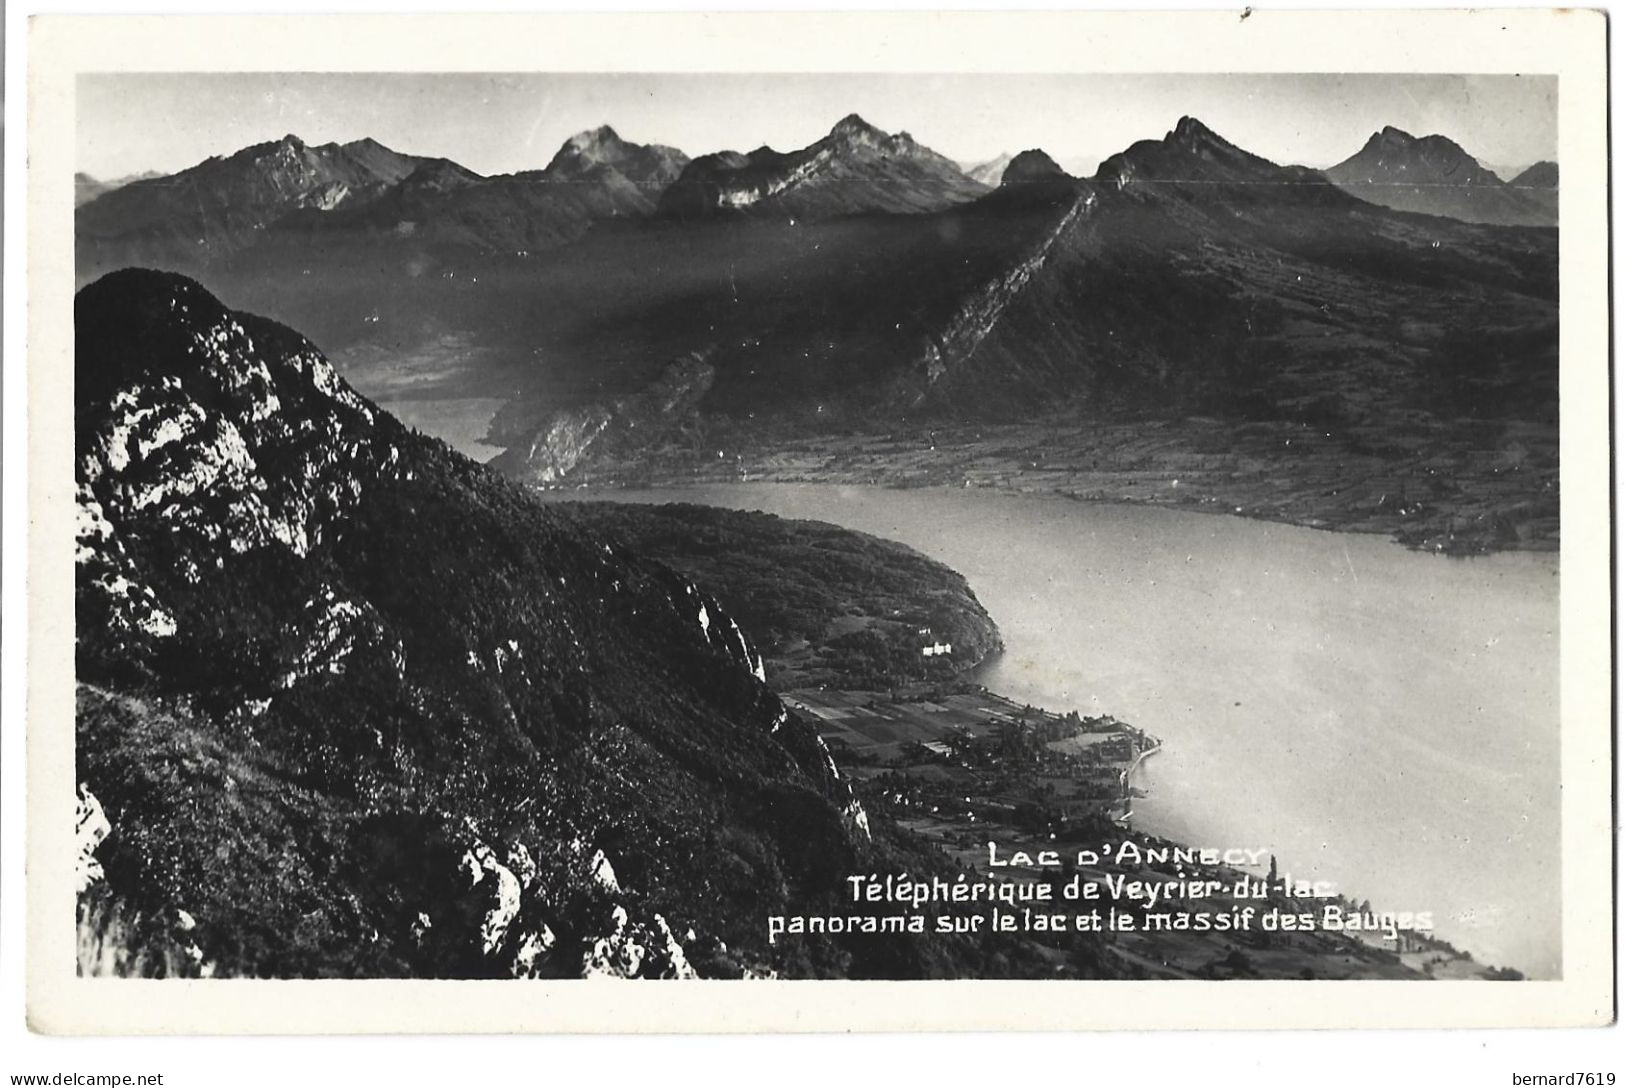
(128, 123)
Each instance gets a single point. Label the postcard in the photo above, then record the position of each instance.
(818, 522)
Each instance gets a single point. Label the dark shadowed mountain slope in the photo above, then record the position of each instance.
(201, 215)
(1198, 275)
(856, 168)
(351, 704)
(422, 225)
(1031, 166)
(1434, 176)
(1187, 276)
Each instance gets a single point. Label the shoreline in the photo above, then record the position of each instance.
(1469, 548)
(1449, 489)
(945, 792)
(977, 674)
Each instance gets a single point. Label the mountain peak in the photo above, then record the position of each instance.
(1434, 175)
(990, 172)
(602, 136)
(587, 154)
(1542, 175)
(854, 127)
(1032, 165)
(162, 311)
(1396, 140)
(1396, 149)
(1194, 136)
(1189, 127)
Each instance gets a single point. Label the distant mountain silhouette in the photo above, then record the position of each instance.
(1542, 175)
(989, 172)
(1435, 176)
(87, 188)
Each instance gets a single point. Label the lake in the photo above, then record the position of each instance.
(1378, 717)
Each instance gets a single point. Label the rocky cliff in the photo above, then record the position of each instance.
(350, 704)
(545, 444)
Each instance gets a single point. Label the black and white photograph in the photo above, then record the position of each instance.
(1085, 526)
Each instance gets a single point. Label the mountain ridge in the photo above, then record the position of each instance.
(855, 168)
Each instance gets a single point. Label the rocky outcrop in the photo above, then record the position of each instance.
(980, 310)
(564, 437)
(358, 706)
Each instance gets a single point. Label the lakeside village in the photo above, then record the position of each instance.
(979, 776)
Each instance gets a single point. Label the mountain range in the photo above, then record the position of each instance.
(1186, 274)
(626, 302)
(224, 204)
(287, 195)
(202, 216)
(87, 188)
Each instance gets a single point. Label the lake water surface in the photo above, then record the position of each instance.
(1378, 717)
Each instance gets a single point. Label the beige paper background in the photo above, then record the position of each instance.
(1570, 44)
